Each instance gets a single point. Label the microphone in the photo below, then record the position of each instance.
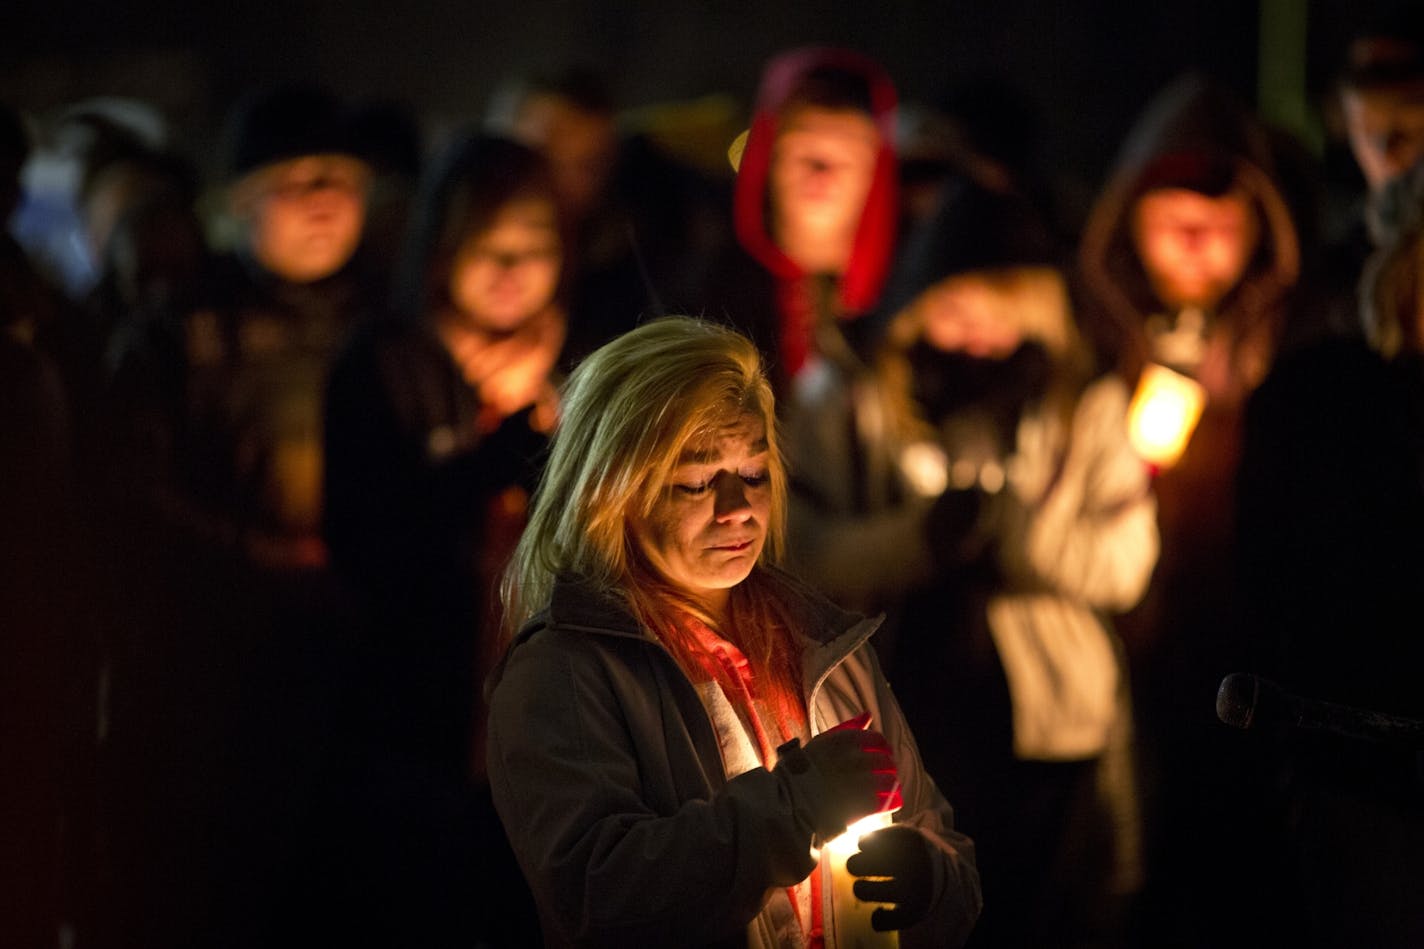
(1249, 701)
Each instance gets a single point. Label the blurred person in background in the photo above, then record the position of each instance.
(225, 690)
(1024, 521)
(639, 224)
(1190, 255)
(152, 266)
(1377, 100)
(51, 220)
(815, 210)
(47, 660)
(1332, 508)
(435, 425)
(246, 370)
(100, 156)
(981, 127)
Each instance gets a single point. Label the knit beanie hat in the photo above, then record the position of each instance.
(286, 122)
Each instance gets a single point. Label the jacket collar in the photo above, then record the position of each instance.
(835, 633)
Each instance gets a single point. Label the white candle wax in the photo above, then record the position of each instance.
(848, 922)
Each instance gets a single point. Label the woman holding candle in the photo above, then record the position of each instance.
(663, 749)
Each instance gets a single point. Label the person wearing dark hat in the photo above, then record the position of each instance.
(1381, 92)
(296, 183)
(1375, 110)
(247, 368)
(218, 412)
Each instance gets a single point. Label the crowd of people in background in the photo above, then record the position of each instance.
(271, 437)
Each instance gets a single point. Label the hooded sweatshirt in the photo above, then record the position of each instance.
(858, 288)
(1197, 135)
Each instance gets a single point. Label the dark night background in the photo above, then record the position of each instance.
(1087, 67)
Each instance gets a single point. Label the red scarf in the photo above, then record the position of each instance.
(722, 662)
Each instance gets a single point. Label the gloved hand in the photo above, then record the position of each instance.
(840, 776)
(958, 526)
(905, 857)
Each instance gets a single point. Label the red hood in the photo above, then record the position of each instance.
(860, 285)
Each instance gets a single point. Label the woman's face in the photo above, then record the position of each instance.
(507, 273)
(962, 314)
(708, 525)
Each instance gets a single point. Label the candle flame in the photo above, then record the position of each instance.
(1164, 412)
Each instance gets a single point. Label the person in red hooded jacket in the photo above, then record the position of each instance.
(814, 209)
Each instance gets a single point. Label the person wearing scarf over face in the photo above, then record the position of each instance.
(1041, 526)
(663, 748)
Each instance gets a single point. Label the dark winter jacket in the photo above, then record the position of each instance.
(422, 507)
(225, 402)
(610, 782)
(1195, 129)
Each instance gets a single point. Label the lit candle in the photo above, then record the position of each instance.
(1164, 412)
(848, 923)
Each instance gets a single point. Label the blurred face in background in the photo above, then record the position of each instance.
(1194, 248)
(822, 166)
(305, 215)
(578, 144)
(1386, 129)
(966, 313)
(508, 272)
(708, 525)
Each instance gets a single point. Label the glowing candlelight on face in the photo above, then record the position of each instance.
(1164, 411)
(848, 922)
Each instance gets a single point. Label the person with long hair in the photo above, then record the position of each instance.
(663, 748)
(436, 420)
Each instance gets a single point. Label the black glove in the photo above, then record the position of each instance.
(906, 858)
(839, 777)
(953, 527)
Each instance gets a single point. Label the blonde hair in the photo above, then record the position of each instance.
(1033, 299)
(628, 411)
